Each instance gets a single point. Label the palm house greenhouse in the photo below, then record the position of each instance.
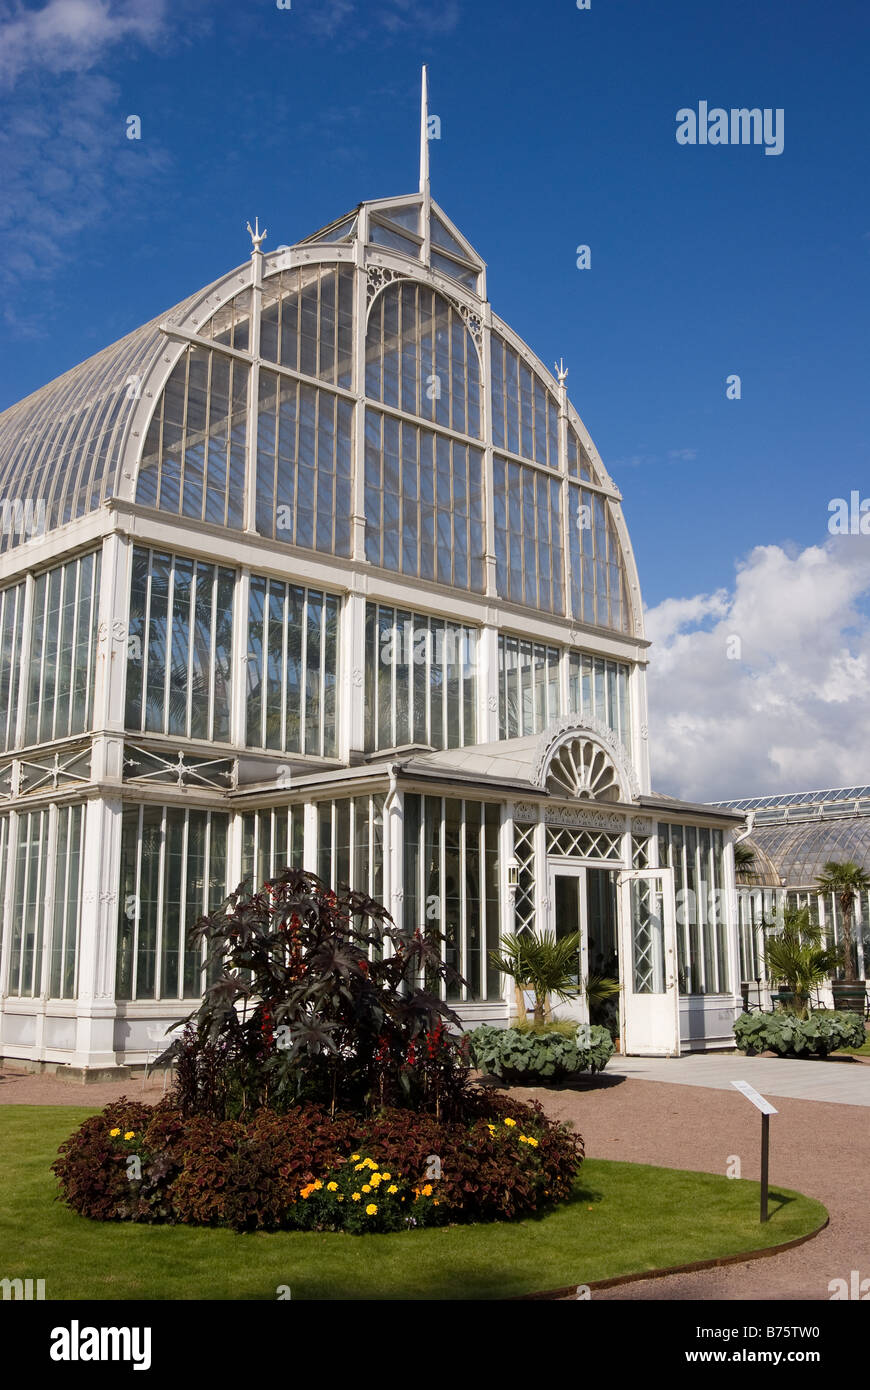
(322, 568)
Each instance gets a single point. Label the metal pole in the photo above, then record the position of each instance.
(765, 1156)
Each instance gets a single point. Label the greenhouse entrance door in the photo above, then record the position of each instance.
(584, 900)
(648, 963)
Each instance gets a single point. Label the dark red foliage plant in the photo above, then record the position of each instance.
(319, 997)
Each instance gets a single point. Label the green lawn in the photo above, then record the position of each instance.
(625, 1218)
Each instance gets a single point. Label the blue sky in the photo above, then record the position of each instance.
(558, 129)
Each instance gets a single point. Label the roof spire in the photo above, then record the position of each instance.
(424, 134)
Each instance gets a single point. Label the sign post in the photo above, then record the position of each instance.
(766, 1111)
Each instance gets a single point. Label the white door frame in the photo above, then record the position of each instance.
(577, 1008)
(650, 1021)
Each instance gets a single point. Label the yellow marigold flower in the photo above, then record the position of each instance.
(510, 1122)
(435, 1202)
(370, 1162)
(354, 1157)
(355, 1196)
(386, 1176)
(366, 1187)
(131, 1134)
(427, 1190)
(317, 1184)
(376, 1180)
(533, 1142)
(392, 1188)
(113, 1133)
(523, 1139)
(371, 1209)
(359, 1167)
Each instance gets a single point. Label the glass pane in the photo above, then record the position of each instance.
(647, 935)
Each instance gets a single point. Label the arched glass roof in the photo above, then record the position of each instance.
(800, 851)
(167, 418)
(62, 445)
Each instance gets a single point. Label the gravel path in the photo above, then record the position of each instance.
(818, 1148)
(34, 1088)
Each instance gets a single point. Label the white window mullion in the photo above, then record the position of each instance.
(137, 918)
(191, 647)
(285, 623)
(161, 898)
(182, 905)
(170, 603)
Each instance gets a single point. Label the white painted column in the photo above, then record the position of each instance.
(98, 934)
(309, 837)
(487, 684)
(733, 915)
(640, 728)
(239, 692)
(489, 562)
(352, 676)
(506, 894)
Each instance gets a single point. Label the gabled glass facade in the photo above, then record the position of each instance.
(360, 600)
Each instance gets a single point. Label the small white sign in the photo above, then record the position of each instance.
(757, 1100)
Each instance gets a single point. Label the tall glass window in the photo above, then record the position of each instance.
(179, 650)
(60, 679)
(528, 686)
(173, 869)
(46, 892)
(528, 535)
(451, 885)
(598, 589)
(193, 462)
(421, 680)
(11, 614)
(579, 465)
(598, 688)
(292, 668)
(421, 359)
(304, 461)
(424, 503)
(350, 850)
(696, 855)
(271, 842)
(307, 321)
(525, 417)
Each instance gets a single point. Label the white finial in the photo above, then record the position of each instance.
(257, 237)
(561, 372)
(424, 134)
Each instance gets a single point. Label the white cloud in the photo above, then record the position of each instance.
(66, 160)
(793, 712)
(72, 35)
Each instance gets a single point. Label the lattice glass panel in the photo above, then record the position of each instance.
(647, 937)
(583, 844)
(524, 902)
(640, 852)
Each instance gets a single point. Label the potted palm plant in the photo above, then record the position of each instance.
(546, 966)
(844, 879)
(797, 958)
(541, 964)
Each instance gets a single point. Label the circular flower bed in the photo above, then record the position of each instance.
(306, 1170)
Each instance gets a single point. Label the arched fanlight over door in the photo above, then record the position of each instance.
(580, 768)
